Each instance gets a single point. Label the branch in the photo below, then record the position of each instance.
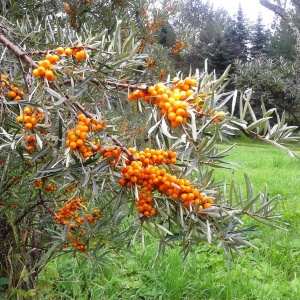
(131, 87)
(18, 52)
(286, 17)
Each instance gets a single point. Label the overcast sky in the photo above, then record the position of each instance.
(251, 9)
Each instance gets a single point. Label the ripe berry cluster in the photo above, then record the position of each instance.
(30, 117)
(71, 215)
(77, 51)
(171, 101)
(45, 68)
(13, 92)
(49, 187)
(145, 173)
(77, 138)
(174, 101)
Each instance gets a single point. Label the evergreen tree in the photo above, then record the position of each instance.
(219, 54)
(199, 24)
(239, 36)
(259, 38)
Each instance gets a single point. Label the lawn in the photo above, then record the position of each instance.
(273, 272)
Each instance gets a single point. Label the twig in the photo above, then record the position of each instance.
(124, 149)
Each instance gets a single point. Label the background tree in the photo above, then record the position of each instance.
(198, 24)
(282, 42)
(259, 38)
(239, 36)
(273, 82)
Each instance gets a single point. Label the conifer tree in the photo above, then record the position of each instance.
(259, 38)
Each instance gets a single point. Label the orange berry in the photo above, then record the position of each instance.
(193, 82)
(49, 75)
(79, 142)
(41, 71)
(17, 98)
(85, 128)
(55, 58)
(179, 119)
(11, 94)
(60, 50)
(68, 51)
(80, 55)
(46, 64)
(172, 116)
(81, 117)
(73, 145)
(68, 9)
(27, 110)
(207, 205)
(28, 125)
(35, 72)
(33, 120)
(27, 119)
(19, 119)
(49, 57)
(174, 124)
(83, 135)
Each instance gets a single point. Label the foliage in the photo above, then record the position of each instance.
(74, 179)
(273, 82)
(264, 271)
(282, 42)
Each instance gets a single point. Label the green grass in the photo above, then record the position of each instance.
(273, 272)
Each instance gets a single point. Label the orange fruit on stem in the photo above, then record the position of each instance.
(60, 50)
(68, 51)
(49, 75)
(11, 94)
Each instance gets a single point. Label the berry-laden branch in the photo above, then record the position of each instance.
(18, 52)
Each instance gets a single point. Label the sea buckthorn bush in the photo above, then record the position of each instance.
(74, 178)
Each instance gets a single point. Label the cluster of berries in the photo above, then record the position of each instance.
(49, 187)
(45, 68)
(174, 101)
(77, 138)
(171, 101)
(178, 46)
(77, 51)
(13, 92)
(142, 169)
(30, 142)
(71, 215)
(30, 117)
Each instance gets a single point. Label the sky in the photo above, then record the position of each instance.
(251, 9)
